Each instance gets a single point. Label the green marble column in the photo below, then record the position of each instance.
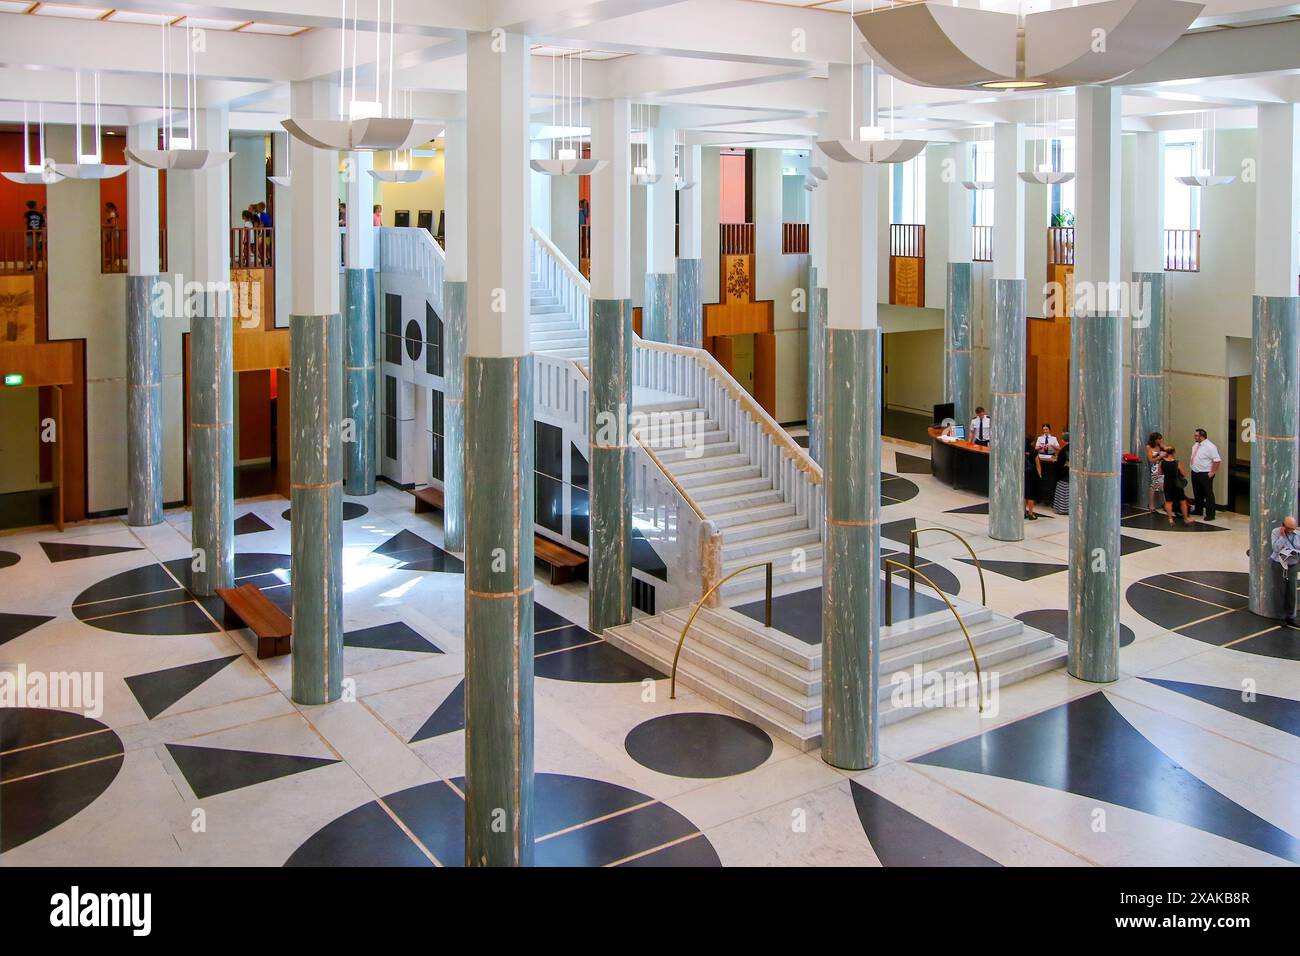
(359, 465)
(816, 361)
(212, 443)
(499, 611)
(1273, 453)
(316, 497)
(610, 594)
(688, 310)
(1097, 395)
(1147, 382)
(454, 298)
(144, 471)
(1007, 437)
(851, 566)
(656, 315)
(957, 342)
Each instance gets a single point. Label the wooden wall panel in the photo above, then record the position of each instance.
(1047, 374)
(765, 371)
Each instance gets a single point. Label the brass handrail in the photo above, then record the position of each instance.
(979, 681)
(911, 557)
(767, 614)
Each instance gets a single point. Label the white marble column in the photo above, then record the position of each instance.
(1147, 338)
(957, 339)
(359, 454)
(661, 226)
(455, 290)
(144, 411)
(688, 306)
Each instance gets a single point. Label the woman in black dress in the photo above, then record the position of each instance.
(1033, 475)
(1175, 480)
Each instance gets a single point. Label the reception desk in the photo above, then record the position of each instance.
(962, 464)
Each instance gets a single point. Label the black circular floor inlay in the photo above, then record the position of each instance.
(350, 510)
(584, 822)
(698, 745)
(894, 489)
(1214, 607)
(8, 559)
(1056, 621)
(157, 600)
(56, 764)
(414, 340)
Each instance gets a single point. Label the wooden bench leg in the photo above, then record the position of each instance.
(265, 647)
(561, 574)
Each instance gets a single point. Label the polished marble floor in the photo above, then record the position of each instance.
(199, 757)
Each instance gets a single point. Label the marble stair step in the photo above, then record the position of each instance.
(778, 509)
(764, 527)
(707, 461)
(782, 543)
(734, 658)
(717, 476)
(738, 627)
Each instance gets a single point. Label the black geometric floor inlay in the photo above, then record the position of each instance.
(1280, 713)
(213, 770)
(1159, 521)
(251, 523)
(899, 531)
(16, 625)
(394, 636)
(155, 599)
(448, 718)
(982, 508)
(911, 464)
(594, 663)
(800, 614)
(1129, 545)
(894, 490)
(414, 553)
(900, 838)
(698, 745)
(158, 690)
(544, 619)
(1212, 606)
(56, 764)
(577, 822)
(350, 510)
(1056, 621)
(1086, 747)
(1020, 570)
(58, 551)
(8, 559)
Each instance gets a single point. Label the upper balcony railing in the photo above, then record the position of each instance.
(907, 239)
(114, 255)
(1060, 245)
(981, 244)
(736, 239)
(252, 247)
(794, 238)
(22, 250)
(1182, 250)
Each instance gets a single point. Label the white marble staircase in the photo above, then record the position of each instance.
(774, 679)
(551, 329)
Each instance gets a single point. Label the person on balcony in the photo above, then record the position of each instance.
(34, 224)
(379, 215)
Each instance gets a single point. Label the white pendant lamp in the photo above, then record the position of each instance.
(366, 128)
(282, 181)
(566, 116)
(643, 173)
(872, 145)
(1044, 173)
(1205, 176)
(399, 161)
(179, 152)
(818, 173)
(43, 171)
(955, 47)
(88, 165)
(680, 182)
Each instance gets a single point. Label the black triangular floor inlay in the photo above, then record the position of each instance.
(394, 636)
(250, 523)
(1280, 713)
(404, 540)
(60, 551)
(979, 508)
(911, 464)
(900, 530)
(1087, 748)
(213, 770)
(1020, 570)
(16, 625)
(1159, 521)
(158, 690)
(1129, 545)
(449, 717)
(900, 838)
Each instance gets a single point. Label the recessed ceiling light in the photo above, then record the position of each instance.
(131, 16)
(73, 13)
(206, 23)
(14, 6)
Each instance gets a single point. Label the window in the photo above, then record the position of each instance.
(1062, 153)
(438, 432)
(907, 191)
(1182, 158)
(981, 164)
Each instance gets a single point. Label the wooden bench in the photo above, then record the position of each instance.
(271, 625)
(563, 562)
(428, 499)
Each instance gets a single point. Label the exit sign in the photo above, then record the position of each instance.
(13, 378)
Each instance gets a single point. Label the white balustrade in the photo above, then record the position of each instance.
(412, 252)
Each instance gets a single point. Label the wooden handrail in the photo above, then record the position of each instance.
(733, 388)
(252, 247)
(736, 238)
(794, 238)
(907, 239)
(23, 250)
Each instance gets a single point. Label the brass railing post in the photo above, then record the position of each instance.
(971, 551)
(889, 595)
(672, 686)
(767, 610)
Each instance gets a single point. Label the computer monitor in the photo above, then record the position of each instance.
(944, 413)
(959, 432)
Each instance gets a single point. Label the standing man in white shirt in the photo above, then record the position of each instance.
(1204, 464)
(981, 427)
